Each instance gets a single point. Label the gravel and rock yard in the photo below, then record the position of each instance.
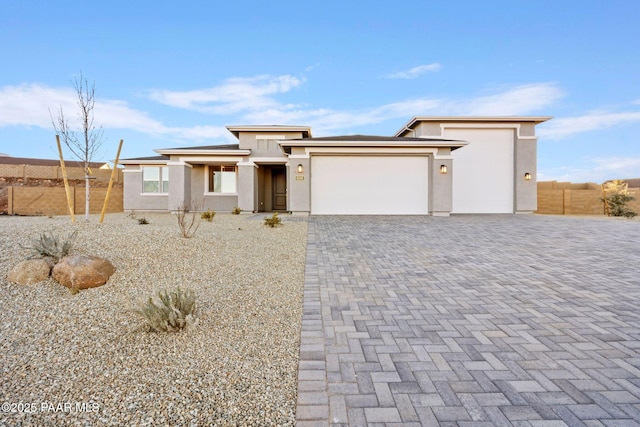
(87, 359)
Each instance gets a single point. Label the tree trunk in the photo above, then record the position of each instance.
(86, 197)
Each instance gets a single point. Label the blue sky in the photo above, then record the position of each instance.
(171, 74)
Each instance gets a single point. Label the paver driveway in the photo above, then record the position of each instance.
(471, 320)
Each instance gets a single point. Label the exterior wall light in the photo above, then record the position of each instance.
(527, 176)
(443, 169)
(300, 168)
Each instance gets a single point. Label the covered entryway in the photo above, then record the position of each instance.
(272, 188)
(383, 185)
(279, 188)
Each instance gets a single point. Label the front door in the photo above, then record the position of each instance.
(279, 180)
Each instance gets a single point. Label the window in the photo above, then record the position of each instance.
(222, 179)
(155, 179)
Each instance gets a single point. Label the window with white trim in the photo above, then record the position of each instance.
(222, 179)
(155, 179)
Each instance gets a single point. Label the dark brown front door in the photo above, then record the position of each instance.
(279, 179)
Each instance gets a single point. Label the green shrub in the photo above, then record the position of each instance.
(273, 221)
(208, 215)
(616, 197)
(143, 221)
(617, 204)
(236, 211)
(172, 311)
(52, 246)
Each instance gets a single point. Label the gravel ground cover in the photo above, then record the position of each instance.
(87, 359)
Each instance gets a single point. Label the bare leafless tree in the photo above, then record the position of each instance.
(84, 140)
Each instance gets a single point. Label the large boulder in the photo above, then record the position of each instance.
(83, 271)
(29, 271)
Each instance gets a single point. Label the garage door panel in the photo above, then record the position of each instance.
(483, 171)
(369, 185)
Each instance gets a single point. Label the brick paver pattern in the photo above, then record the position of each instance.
(479, 320)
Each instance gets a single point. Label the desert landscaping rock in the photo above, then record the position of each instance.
(83, 271)
(29, 271)
(237, 367)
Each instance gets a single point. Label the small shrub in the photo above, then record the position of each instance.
(208, 215)
(617, 204)
(236, 211)
(172, 311)
(143, 221)
(188, 222)
(52, 246)
(616, 197)
(273, 221)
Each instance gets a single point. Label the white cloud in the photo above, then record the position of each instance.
(596, 170)
(118, 115)
(415, 72)
(233, 96)
(621, 165)
(519, 100)
(565, 126)
(326, 119)
(31, 104)
(199, 133)
(28, 105)
(253, 101)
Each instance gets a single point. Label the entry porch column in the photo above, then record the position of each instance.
(247, 186)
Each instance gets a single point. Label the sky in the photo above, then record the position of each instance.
(174, 74)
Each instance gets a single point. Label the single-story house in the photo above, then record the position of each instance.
(432, 165)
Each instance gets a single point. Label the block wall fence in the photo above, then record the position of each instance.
(565, 198)
(27, 172)
(53, 200)
(39, 190)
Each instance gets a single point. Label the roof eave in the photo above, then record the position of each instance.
(425, 144)
(461, 119)
(143, 161)
(235, 130)
(190, 152)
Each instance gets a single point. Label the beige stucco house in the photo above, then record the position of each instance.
(431, 166)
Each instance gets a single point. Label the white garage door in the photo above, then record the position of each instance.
(483, 171)
(369, 185)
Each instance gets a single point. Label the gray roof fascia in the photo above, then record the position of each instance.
(471, 119)
(392, 142)
(201, 152)
(235, 130)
